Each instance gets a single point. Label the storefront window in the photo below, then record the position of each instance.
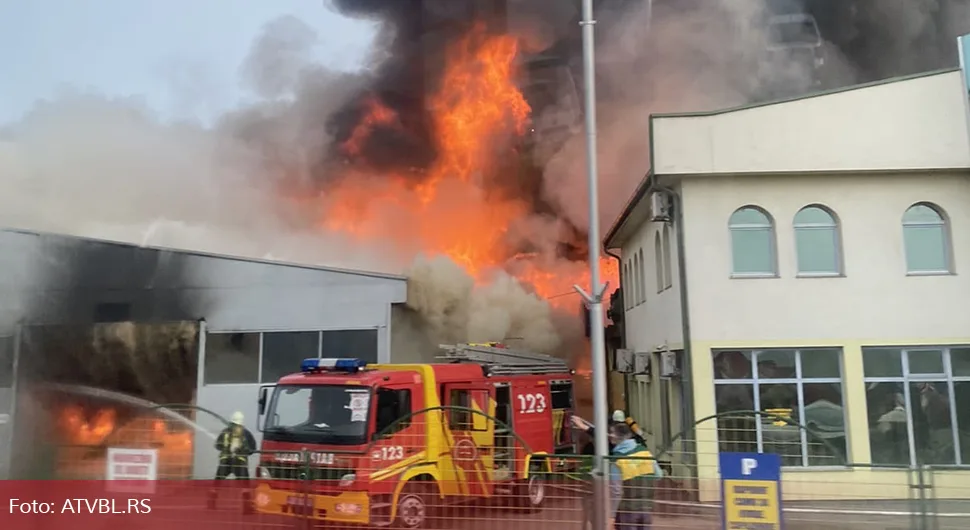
(791, 388)
(917, 402)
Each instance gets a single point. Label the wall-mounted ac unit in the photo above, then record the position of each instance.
(623, 361)
(659, 207)
(668, 365)
(641, 363)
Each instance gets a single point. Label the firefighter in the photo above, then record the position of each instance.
(620, 417)
(634, 467)
(235, 444)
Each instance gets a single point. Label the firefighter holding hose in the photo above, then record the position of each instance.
(235, 445)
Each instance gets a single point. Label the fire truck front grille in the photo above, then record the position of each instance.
(301, 472)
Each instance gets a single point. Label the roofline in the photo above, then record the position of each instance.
(641, 191)
(202, 254)
(840, 90)
(643, 188)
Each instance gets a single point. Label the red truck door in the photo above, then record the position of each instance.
(472, 434)
(532, 417)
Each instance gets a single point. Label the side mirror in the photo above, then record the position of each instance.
(262, 402)
(263, 393)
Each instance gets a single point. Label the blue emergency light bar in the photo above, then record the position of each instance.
(335, 365)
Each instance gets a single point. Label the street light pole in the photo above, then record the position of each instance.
(595, 297)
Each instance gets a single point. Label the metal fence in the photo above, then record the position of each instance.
(477, 474)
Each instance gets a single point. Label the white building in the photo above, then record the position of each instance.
(820, 245)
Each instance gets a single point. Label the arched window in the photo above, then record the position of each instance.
(636, 280)
(659, 258)
(752, 243)
(926, 240)
(626, 285)
(643, 277)
(668, 269)
(817, 242)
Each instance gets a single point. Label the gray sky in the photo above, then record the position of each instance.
(181, 56)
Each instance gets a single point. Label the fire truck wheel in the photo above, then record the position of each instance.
(532, 494)
(413, 505)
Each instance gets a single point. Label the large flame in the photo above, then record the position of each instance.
(475, 112)
(80, 431)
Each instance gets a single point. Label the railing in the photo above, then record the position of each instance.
(478, 479)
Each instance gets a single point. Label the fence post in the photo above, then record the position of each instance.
(922, 512)
(307, 511)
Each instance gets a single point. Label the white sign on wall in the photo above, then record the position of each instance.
(134, 470)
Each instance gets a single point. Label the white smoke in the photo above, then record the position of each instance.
(92, 166)
(455, 310)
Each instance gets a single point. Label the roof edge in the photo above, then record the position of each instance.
(812, 95)
(188, 252)
(638, 194)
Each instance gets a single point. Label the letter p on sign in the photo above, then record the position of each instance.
(748, 465)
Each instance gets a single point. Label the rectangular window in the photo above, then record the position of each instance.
(753, 252)
(919, 405)
(231, 358)
(284, 351)
(817, 250)
(350, 343)
(7, 354)
(466, 420)
(791, 388)
(392, 405)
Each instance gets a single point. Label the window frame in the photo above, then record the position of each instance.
(755, 381)
(643, 276)
(944, 225)
(668, 278)
(772, 242)
(261, 333)
(626, 286)
(907, 378)
(400, 425)
(835, 227)
(637, 280)
(658, 250)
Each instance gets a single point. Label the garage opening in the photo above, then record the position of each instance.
(81, 390)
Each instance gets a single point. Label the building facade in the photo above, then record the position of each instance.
(804, 259)
(169, 327)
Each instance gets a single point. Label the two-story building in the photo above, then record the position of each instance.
(806, 259)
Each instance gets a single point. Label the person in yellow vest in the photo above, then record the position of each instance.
(635, 468)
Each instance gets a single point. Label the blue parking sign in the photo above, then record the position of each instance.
(751, 491)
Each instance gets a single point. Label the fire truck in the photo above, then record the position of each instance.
(381, 444)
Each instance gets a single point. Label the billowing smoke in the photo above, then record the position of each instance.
(249, 185)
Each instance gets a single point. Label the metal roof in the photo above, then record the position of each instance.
(210, 254)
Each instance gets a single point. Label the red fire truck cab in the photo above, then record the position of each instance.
(378, 444)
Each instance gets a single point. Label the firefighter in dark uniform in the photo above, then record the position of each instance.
(635, 468)
(235, 444)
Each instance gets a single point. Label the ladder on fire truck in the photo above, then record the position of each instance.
(503, 361)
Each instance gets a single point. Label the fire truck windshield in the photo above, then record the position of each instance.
(324, 414)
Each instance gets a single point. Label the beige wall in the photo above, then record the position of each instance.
(908, 124)
(875, 299)
(656, 320)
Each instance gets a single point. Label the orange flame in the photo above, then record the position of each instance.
(451, 211)
(376, 114)
(103, 423)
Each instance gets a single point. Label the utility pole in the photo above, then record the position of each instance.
(595, 297)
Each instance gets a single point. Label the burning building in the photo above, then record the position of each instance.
(455, 158)
(96, 335)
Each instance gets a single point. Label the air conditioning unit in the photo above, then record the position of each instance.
(668, 365)
(641, 363)
(623, 361)
(659, 207)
